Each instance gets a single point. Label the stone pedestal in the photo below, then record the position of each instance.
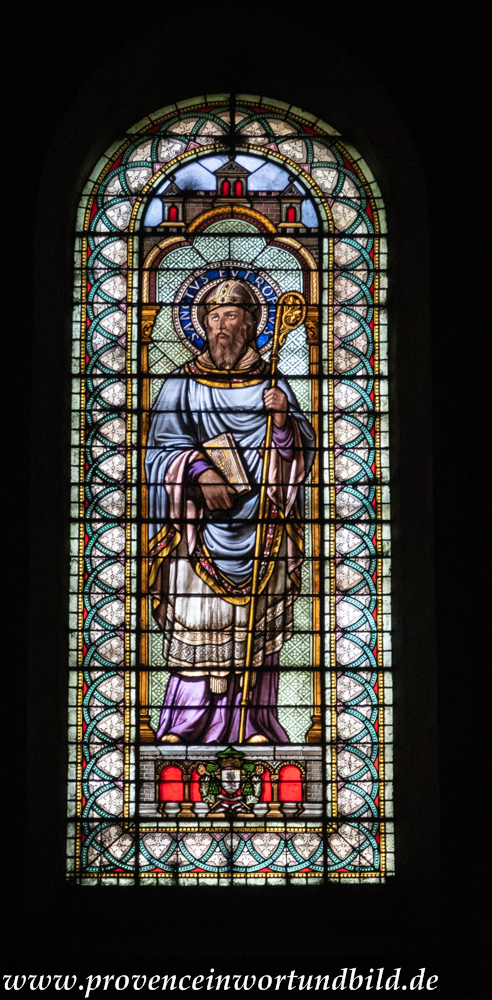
(307, 757)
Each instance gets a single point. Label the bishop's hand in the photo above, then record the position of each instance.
(276, 401)
(218, 495)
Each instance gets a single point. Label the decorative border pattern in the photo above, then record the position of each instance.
(102, 651)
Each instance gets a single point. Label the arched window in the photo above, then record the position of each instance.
(230, 543)
(290, 784)
(195, 794)
(171, 784)
(238, 189)
(173, 213)
(291, 214)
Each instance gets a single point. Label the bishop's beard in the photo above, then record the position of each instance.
(226, 353)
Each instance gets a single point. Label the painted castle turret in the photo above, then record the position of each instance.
(182, 204)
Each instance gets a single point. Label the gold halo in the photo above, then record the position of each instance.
(197, 308)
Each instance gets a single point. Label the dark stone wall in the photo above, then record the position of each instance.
(405, 91)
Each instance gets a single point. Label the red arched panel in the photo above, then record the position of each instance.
(266, 787)
(171, 787)
(195, 794)
(290, 785)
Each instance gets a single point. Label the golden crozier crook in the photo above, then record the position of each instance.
(291, 311)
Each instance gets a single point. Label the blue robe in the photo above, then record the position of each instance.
(201, 560)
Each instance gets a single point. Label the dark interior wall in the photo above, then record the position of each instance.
(402, 89)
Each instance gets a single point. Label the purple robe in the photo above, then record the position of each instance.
(196, 715)
(193, 710)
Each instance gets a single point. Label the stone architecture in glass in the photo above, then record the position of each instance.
(230, 688)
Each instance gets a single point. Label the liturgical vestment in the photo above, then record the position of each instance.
(200, 561)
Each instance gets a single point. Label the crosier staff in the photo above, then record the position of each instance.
(291, 311)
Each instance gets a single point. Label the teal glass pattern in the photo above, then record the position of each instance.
(336, 252)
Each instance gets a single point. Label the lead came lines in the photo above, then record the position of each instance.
(105, 275)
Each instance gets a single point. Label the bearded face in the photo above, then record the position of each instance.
(229, 332)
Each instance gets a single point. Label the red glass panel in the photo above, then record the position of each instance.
(290, 785)
(291, 214)
(266, 787)
(171, 788)
(195, 795)
(226, 188)
(238, 189)
(173, 213)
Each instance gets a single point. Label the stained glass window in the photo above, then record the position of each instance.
(230, 625)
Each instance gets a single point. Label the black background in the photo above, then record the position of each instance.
(432, 63)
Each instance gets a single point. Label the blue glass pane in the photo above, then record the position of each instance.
(308, 213)
(153, 215)
(195, 177)
(269, 178)
(250, 162)
(214, 162)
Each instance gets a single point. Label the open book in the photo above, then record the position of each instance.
(224, 454)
